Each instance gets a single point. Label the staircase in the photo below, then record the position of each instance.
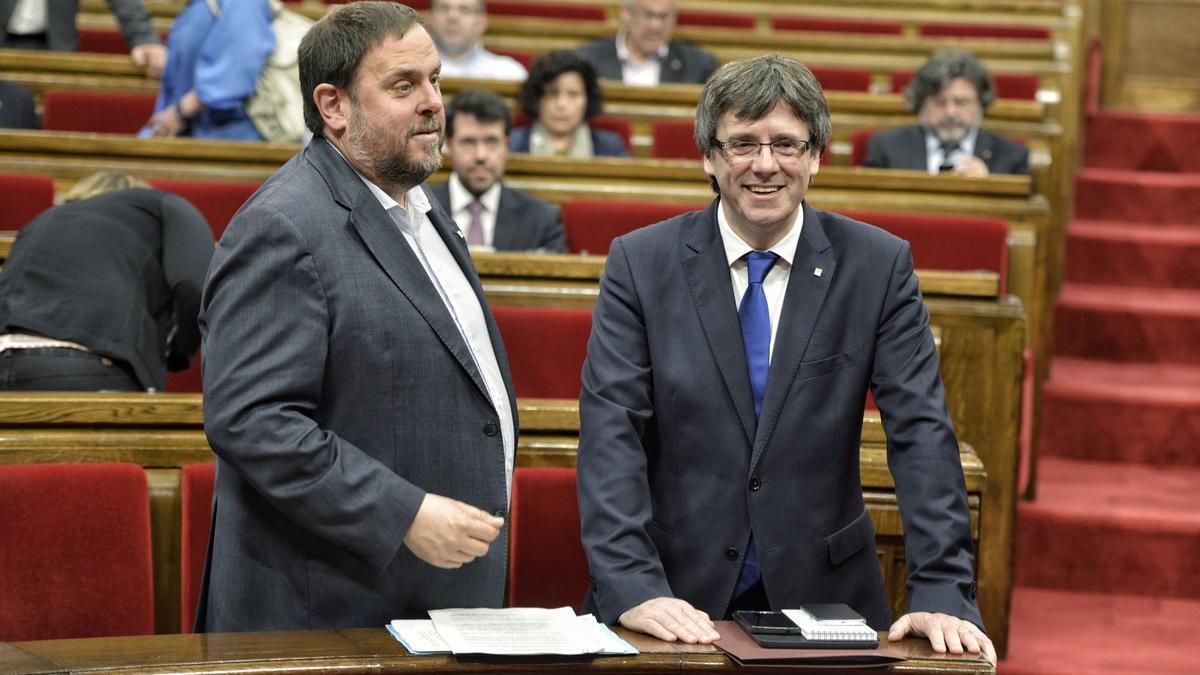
(1107, 575)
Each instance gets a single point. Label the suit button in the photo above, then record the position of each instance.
(755, 484)
(491, 429)
(731, 553)
(499, 513)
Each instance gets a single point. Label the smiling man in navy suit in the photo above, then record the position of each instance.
(731, 354)
(950, 95)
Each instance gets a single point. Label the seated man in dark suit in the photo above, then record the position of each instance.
(950, 95)
(16, 107)
(643, 52)
(490, 213)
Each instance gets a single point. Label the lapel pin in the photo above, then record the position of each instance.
(817, 271)
(460, 234)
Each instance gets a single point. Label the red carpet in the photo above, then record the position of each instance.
(1108, 555)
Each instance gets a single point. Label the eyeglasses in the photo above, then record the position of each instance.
(743, 150)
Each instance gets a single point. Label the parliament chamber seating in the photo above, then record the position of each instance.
(842, 79)
(546, 348)
(196, 483)
(24, 198)
(216, 200)
(75, 559)
(592, 224)
(1017, 86)
(96, 111)
(984, 30)
(546, 563)
(521, 56)
(550, 10)
(714, 19)
(836, 25)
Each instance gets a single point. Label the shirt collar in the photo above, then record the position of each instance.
(623, 51)
(415, 198)
(460, 196)
(967, 144)
(736, 247)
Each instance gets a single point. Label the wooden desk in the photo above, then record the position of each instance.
(163, 432)
(373, 650)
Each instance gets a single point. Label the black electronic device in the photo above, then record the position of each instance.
(766, 623)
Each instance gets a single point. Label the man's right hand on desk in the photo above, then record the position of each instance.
(670, 619)
(449, 534)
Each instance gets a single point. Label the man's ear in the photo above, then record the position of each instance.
(334, 105)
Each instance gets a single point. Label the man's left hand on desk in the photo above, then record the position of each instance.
(945, 633)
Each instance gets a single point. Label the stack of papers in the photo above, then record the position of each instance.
(517, 631)
(833, 622)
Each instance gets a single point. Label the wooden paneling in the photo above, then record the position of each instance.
(1151, 54)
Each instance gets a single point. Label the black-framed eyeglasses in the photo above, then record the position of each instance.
(744, 149)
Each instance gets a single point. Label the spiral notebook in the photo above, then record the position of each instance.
(833, 622)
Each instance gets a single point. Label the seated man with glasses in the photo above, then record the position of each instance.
(490, 214)
(643, 53)
(731, 354)
(458, 27)
(949, 95)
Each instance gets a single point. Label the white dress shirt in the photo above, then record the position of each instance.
(776, 281)
(481, 63)
(935, 155)
(460, 202)
(646, 73)
(28, 17)
(459, 297)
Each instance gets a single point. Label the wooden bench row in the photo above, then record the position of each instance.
(163, 432)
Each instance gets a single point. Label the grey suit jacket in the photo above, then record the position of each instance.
(337, 391)
(63, 36)
(684, 63)
(523, 223)
(904, 148)
(675, 470)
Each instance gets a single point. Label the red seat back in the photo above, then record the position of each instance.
(102, 41)
(700, 17)
(858, 146)
(673, 139)
(842, 79)
(216, 200)
(546, 563)
(188, 380)
(939, 242)
(195, 496)
(806, 23)
(75, 558)
(591, 224)
(1008, 85)
(546, 347)
(984, 30)
(96, 111)
(550, 10)
(25, 197)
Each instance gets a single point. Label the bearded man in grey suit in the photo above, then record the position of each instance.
(492, 214)
(356, 391)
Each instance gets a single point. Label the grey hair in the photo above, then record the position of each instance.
(750, 88)
(333, 48)
(945, 66)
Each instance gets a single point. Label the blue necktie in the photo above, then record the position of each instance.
(756, 338)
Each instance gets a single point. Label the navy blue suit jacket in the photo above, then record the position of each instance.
(675, 470)
(904, 148)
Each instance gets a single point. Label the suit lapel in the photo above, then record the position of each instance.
(984, 148)
(707, 274)
(387, 245)
(802, 303)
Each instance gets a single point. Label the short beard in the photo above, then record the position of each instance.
(394, 165)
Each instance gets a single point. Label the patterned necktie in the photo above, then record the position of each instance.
(756, 339)
(475, 231)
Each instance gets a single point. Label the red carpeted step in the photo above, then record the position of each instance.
(1128, 324)
(1107, 527)
(1137, 196)
(1143, 141)
(1104, 252)
(1064, 633)
(1125, 412)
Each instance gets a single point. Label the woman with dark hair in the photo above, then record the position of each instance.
(560, 96)
(102, 292)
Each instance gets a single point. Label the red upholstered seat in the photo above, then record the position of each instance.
(102, 41)
(186, 381)
(591, 225)
(75, 555)
(195, 496)
(700, 17)
(957, 243)
(984, 30)
(823, 25)
(673, 139)
(546, 347)
(552, 10)
(842, 79)
(546, 563)
(858, 146)
(1018, 86)
(96, 111)
(24, 197)
(217, 200)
